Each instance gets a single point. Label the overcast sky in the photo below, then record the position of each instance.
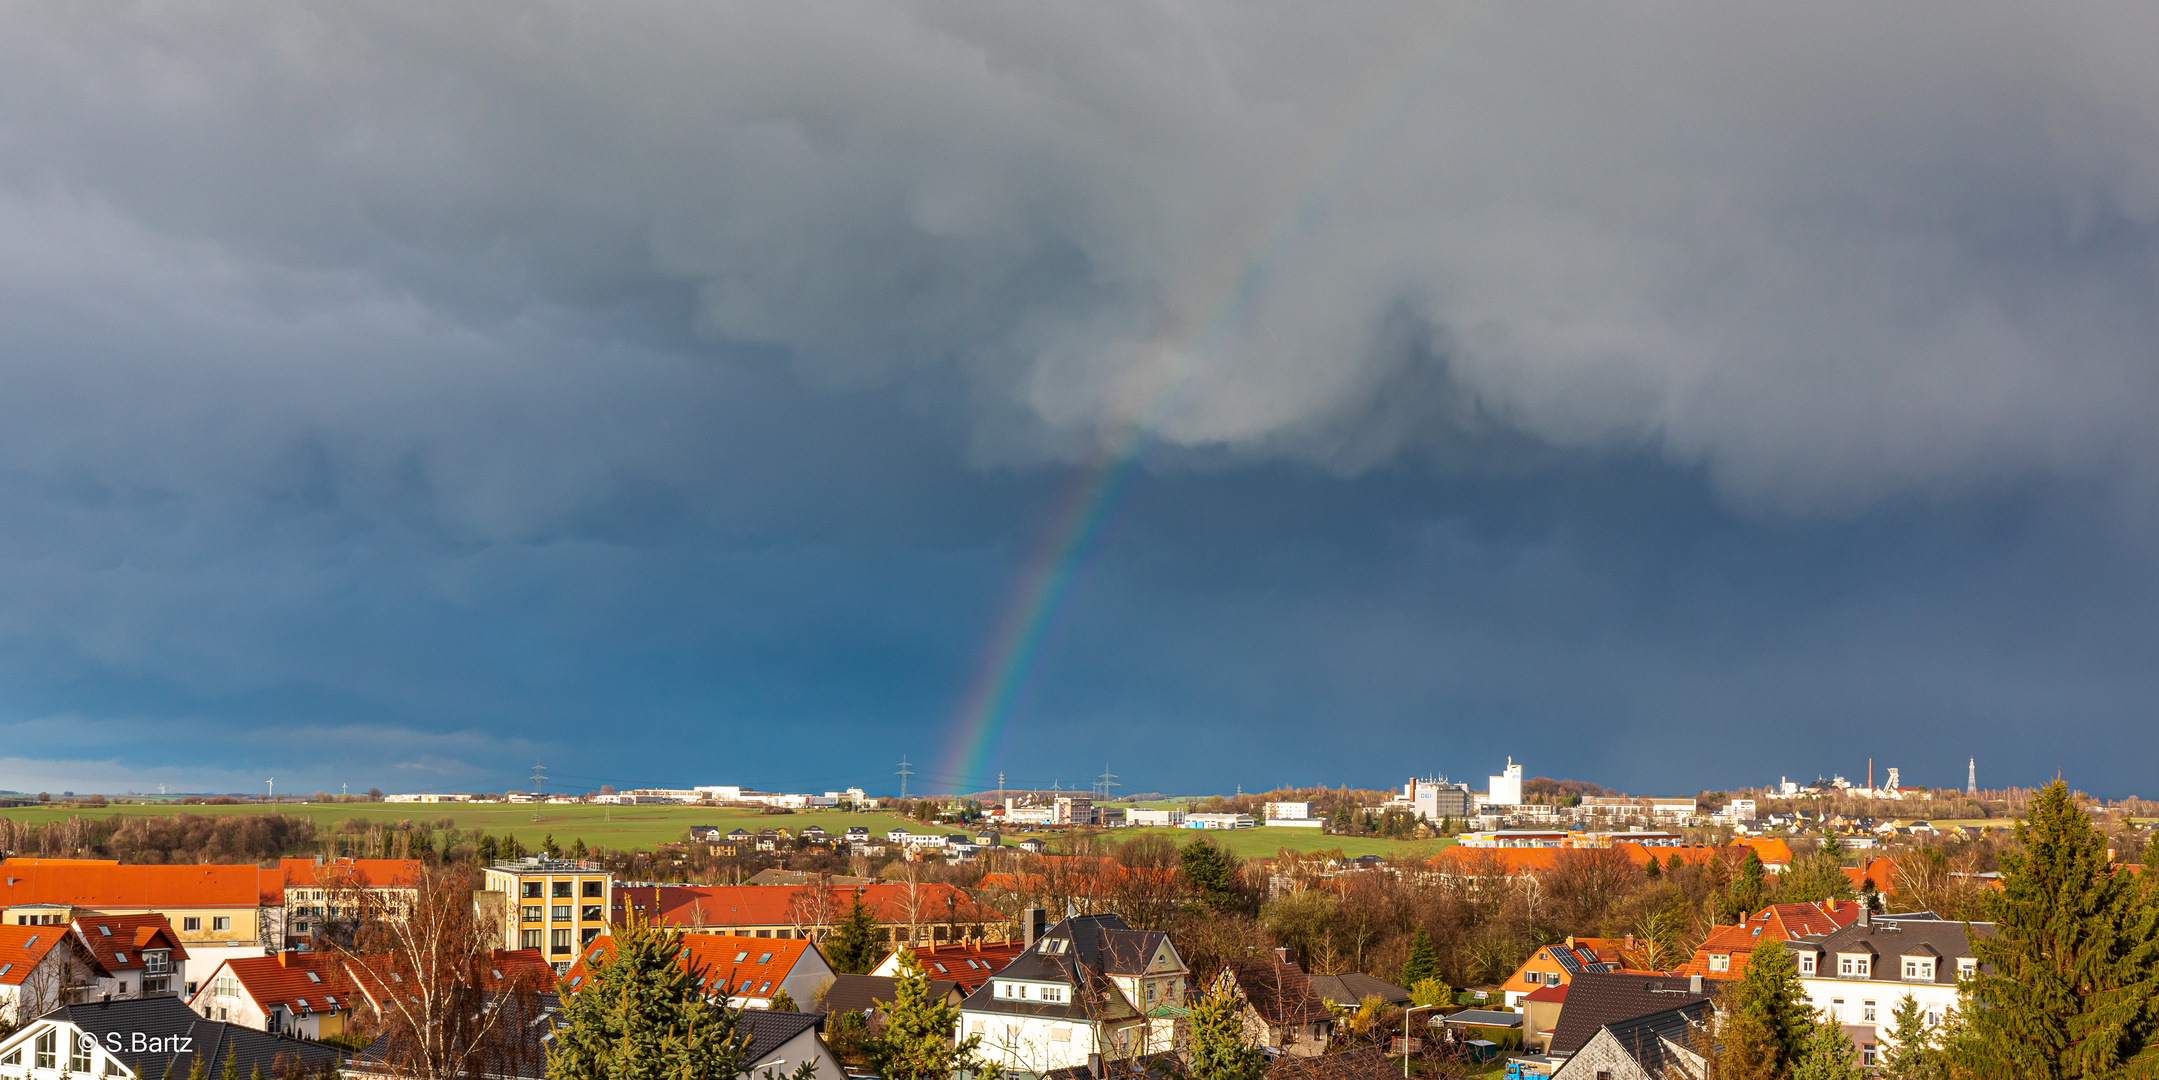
(1671, 396)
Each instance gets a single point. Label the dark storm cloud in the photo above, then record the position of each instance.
(490, 373)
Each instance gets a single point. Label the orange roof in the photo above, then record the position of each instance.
(109, 885)
(1882, 870)
(23, 948)
(968, 965)
(527, 968)
(1548, 993)
(768, 905)
(1771, 850)
(1641, 853)
(302, 982)
(346, 873)
(1776, 923)
(730, 966)
(116, 942)
(1469, 860)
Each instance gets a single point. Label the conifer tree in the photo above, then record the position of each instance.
(1746, 890)
(2068, 986)
(1218, 1049)
(1652, 870)
(782, 1002)
(231, 1071)
(1743, 1050)
(854, 948)
(1421, 965)
(1911, 1051)
(199, 1069)
(1770, 994)
(917, 1042)
(1211, 870)
(641, 1016)
(1827, 1055)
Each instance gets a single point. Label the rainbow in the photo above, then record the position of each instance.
(1080, 517)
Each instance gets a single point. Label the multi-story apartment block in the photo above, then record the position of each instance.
(1857, 976)
(554, 905)
(317, 892)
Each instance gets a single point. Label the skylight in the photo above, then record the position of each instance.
(105, 930)
(313, 978)
(764, 958)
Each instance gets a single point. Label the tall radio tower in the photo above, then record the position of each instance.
(1971, 776)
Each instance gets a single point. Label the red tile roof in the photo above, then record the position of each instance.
(1475, 861)
(736, 967)
(343, 873)
(301, 982)
(1776, 923)
(116, 942)
(969, 965)
(522, 968)
(1549, 993)
(1883, 872)
(104, 885)
(22, 948)
(768, 905)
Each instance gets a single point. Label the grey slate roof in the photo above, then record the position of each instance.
(1594, 1000)
(771, 1030)
(1099, 945)
(1888, 939)
(211, 1040)
(1351, 987)
(862, 993)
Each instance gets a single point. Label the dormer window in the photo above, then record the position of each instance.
(1967, 967)
(1806, 963)
(1919, 969)
(1853, 965)
(1720, 962)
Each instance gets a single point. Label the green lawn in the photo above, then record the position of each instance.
(632, 828)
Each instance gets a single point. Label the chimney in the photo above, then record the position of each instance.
(284, 959)
(1033, 921)
(1694, 984)
(1282, 955)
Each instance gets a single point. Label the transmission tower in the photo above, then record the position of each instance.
(1107, 780)
(539, 778)
(903, 774)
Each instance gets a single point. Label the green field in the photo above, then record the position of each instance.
(629, 828)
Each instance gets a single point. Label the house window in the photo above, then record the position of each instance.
(1866, 1011)
(1918, 968)
(591, 913)
(562, 890)
(532, 890)
(1720, 962)
(1855, 966)
(562, 913)
(1551, 978)
(587, 935)
(1836, 1010)
(48, 1043)
(533, 913)
(221, 922)
(560, 942)
(529, 939)
(1967, 967)
(1866, 1055)
(190, 923)
(1806, 963)
(592, 890)
(157, 962)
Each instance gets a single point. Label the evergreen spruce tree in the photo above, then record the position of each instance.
(2068, 986)
(1652, 870)
(854, 948)
(231, 1071)
(1212, 872)
(1421, 964)
(1744, 1050)
(1770, 994)
(641, 1016)
(917, 1040)
(781, 1002)
(199, 1069)
(1218, 1049)
(1910, 1052)
(1828, 1055)
(1747, 889)
(256, 1073)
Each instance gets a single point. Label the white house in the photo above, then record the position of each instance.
(146, 1039)
(1160, 819)
(40, 967)
(291, 993)
(1088, 985)
(1857, 976)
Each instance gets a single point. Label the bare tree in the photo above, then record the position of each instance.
(815, 908)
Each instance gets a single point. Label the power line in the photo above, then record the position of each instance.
(539, 778)
(903, 774)
(1108, 780)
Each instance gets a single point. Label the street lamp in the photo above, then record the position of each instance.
(1405, 1035)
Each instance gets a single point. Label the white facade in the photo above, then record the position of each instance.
(1506, 788)
(1295, 810)
(1219, 821)
(1294, 823)
(1030, 815)
(1160, 819)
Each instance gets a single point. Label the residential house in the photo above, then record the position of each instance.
(1088, 985)
(906, 912)
(136, 955)
(149, 1038)
(41, 969)
(510, 973)
(1653, 1046)
(1724, 955)
(316, 890)
(291, 993)
(870, 994)
(1858, 975)
(1351, 988)
(1557, 965)
(524, 1023)
(1540, 1015)
(967, 964)
(1282, 1011)
(744, 974)
(217, 910)
(706, 834)
(1596, 1001)
(557, 905)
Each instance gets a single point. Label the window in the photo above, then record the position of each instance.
(741, 956)
(529, 939)
(587, 936)
(221, 922)
(533, 913)
(14, 1057)
(48, 1045)
(1604, 1074)
(1967, 967)
(766, 988)
(157, 961)
(1836, 1010)
(562, 913)
(764, 933)
(105, 930)
(560, 942)
(591, 913)
(1866, 1056)
(1720, 962)
(1854, 966)
(1918, 967)
(190, 923)
(532, 890)
(1806, 963)
(1866, 1011)
(592, 890)
(562, 890)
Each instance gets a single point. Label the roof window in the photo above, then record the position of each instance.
(764, 958)
(122, 957)
(741, 956)
(313, 978)
(105, 930)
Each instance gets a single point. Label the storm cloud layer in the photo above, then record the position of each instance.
(432, 387)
